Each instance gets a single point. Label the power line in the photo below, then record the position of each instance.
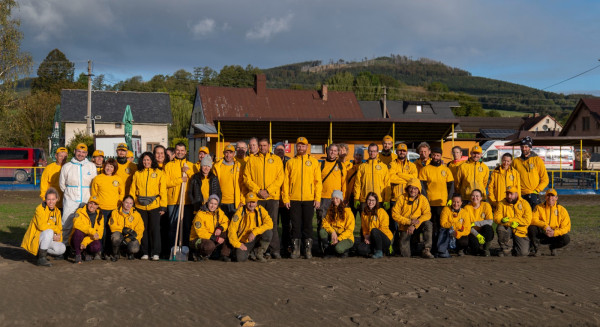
(570, 78)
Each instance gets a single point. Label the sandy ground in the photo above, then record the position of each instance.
(555, 291)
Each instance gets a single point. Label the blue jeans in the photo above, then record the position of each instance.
(443, 242)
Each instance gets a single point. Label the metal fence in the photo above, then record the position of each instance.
(573, 179)
(21, 175)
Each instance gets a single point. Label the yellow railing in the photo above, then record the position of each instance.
(21, 174)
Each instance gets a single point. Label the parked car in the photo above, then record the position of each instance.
(18, 163)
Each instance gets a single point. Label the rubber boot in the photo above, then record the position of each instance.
(42, 261)
(486, 249)
(115, 255)
(296, 249)
(260, 252)
(427, 254)
(308, 248)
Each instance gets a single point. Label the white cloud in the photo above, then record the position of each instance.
(270, 27)
(203, 27)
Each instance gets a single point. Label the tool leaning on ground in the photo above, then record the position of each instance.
(178, 252)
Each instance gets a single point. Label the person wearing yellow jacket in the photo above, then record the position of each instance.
(482, 232)
(202, 152)
(401, 171)
(387, 154)
(150, 193)
(503, 176)
(98, 160)
(251, 224)
(44, 234)
(209, 231)
(264, 176)
(532, 169)
(472, 175)
(343, 157)
(302, 195)
(51, 175)
(179, 171)
(513, 217)
(359, 154)
(424, 151)
(88, 228)
(455, 163)
(456, 220)
(413, 214)
(337, 234)
(126, 168)
(550, 224)
(231, 182)
(375, 231)
(126, 229)
(372, 176)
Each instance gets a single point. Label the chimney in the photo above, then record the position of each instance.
(324, 92)
(384, 102)
(260, 85)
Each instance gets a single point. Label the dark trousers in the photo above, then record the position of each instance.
(106, 245)
(301, 215)
(392, 223)
(487, 231)
(132, 246)
(206, 248)
(538, 236)
(229, 209)
(263, 239)
(76, 240)
(286, 229)
(463, 242)
(533, 199)
(379, 242)
(436, 212)
(188, 217)
(151, 238)
(165, 227)
(272, 207)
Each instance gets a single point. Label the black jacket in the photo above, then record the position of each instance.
(196, 189)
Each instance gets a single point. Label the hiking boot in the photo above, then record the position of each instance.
(98, 256)
(78, 258)
(486, 249)
(427, 254)
(308, 248)
(296, 249)
(42, 260)
(378, 254)
(553, 252)
(225, 258)
(276, 255)
(344, 255)
(461, 253)
(130, 256)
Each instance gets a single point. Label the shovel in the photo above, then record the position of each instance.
(178, 252)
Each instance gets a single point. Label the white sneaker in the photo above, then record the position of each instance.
(155, 257)
(145, 257)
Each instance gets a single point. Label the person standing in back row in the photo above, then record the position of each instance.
(387, 154)
(334, 178)
(228, 172)
(532, 170)
(372, 176)
(472, 175)
(51, 175)
(126, 168)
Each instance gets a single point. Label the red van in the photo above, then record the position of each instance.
(17, 163)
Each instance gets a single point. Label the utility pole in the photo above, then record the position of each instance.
(89, 100)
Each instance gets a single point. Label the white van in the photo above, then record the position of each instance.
(553, 156)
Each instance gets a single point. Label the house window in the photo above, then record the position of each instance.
(585, 122)
(547, 120)
(419, 108)
(316, 149)
(118, 125)
(150, 146)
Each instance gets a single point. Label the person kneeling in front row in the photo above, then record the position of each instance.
(44, 234)
(88, 227)
(513, 217)
(550, 224)
(413, 214)
(457, 220)
(376, 233)
(250, 224)
(127, 229)
(209, 231)
(338, 227)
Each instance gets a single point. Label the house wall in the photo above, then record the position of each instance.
(576, 128)
(149, 133)
(551, 125)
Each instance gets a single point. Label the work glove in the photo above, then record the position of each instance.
(504, 220)
(472, 225)
(481, 239)
(126, 231)
(514, 224)
(449, 203)
(356, 204)
(386, 205)
(535, 192)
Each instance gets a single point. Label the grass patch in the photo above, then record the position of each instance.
(507, 113)
(14, 220)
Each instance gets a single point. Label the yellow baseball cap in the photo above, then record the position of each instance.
(551, 192)
(203, 149)
(93, 199)
(387, 138)
(81, 146)
(512, 189)
(476, 149)
(302, 140)
(61, 149)
(98, 153)
(229, 148)
(401, 146)
(122, 146)
(129, 154)
(251, 197)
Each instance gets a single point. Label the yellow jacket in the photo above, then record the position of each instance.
(387, 159)
(500, 181)
(519, 212)
(344, 227)
(126, 171)
(110, 191)
(406, 210)
(264, 172)
(43, 219)
(119, 220)
(302, 179)
(335, 181)
(233, 189)
(534, 177)
(419, 164)
(243, 223)
(460, 221)
(149, 182)
(82, 222)
(400, 173)
(173, 180)
(372, 176)
(50, 178)
(205, 223)
(453, 166)
(484, 212)
(436, 179)
(380, 221)
(556, 217)
(350, 180)
(471, 176)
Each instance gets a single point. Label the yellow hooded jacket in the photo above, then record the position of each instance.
(335, 181)
(401, 172)
(419, 164)
(50, 178)
(243, 223)
(387, 159)
(233, 189)
(372, 176)
(43, 219)
(205, 223)
(149, 182)
(126, 171)
(350, 180)
(556, 217)
(436, 179)
(406, 210)
(471, 176)
(344, 227)
(519, 212)
(302, 180)
(119, 220)
(380, 221)
(534, 177)
(460, 221)
(110, 191)
(82, 222)
(173, 180)
(264, 172)
(500, 181)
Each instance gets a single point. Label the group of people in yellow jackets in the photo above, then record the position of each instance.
(231, 208)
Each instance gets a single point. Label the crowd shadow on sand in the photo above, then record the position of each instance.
(14, 253)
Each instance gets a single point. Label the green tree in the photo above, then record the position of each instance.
(340, 82)
(13, 62)
(32, 122)
(236, 76)
(56, 72)
(181, 109)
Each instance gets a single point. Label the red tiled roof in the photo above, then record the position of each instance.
(593, 104)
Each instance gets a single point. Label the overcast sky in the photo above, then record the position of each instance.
(535, 43)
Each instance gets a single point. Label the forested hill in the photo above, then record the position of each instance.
(424, 79)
